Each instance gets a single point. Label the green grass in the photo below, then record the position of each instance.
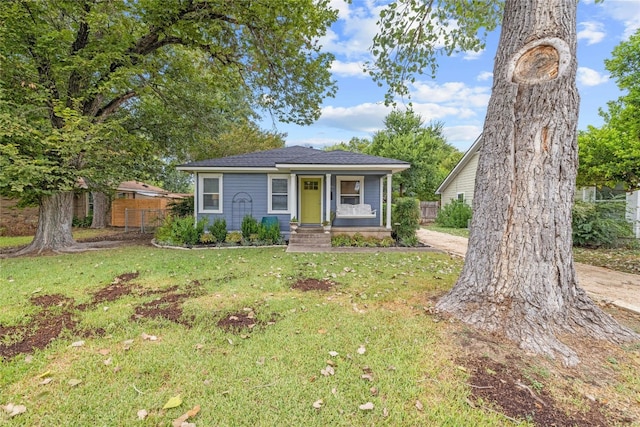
(78, 233)
(267, 376)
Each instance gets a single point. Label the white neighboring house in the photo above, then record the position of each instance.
(633, 211)
(460, 184)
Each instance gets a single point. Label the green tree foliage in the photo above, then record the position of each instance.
(406, 138)
(355, 145)
(73, 74)
(611, 154)
(413, 33)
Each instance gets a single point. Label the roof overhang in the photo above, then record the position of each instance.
(398, 167)
(288, 167)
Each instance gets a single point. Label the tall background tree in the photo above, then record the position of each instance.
(518, 279)
(610, 154)
(405, 137)
(72, 72)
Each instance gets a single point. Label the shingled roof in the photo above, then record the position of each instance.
(294, 155)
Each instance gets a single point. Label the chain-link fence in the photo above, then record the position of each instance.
(143, 220)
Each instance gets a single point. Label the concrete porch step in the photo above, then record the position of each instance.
(311, 237)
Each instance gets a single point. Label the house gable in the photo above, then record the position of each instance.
(460, 183)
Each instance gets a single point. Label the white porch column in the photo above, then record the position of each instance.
(389, 201)
(294, 196)
(327, 198)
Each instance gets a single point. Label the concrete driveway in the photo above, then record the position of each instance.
(602, 284)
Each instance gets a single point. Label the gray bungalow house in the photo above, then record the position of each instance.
(309, 185)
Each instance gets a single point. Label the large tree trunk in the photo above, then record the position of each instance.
(54, 224)
(101, 203)
(519, 279)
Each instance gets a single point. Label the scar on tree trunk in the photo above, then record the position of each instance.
(519, 278)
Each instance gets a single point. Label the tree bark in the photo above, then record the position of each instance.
(54, 224)
(101, 203)
(519, 278)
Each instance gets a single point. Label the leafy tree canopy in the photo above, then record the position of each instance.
(405, 137)
(611, 154)
(81, 82)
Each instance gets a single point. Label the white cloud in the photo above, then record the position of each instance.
(462, 137)
(589, 77)
(472, 56)
(626, 11)
(348, 69)
(591, 31)
(484, 76)
(366, 117)
(452, 93)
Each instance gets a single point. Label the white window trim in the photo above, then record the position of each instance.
(341, 178)
(201, 178)
(270, 209)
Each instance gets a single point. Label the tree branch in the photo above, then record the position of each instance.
(113, 105)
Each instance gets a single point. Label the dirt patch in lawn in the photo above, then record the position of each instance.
(44, 327)
(116, 290)
(309, 284)
(57, 314)
(504, 388)
(168, 305)
(244, 320)
(503, 378)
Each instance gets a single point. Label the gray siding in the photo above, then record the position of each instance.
(246, 193)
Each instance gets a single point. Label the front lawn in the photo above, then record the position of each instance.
(260, 337)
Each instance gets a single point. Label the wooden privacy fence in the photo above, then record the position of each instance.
(428, 211)
(140, 214)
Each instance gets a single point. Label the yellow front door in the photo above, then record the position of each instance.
(310, 200)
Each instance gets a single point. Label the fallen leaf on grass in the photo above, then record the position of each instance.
(333, 353)
(74, 382)
(46, 381)
(14, 410)
(174, 402)
(107, 362)
(322, 331)
(77, 344)
(318, 404)
(104, 351)
(327, 371)
(149, 337)
(367, 377)
(385, 412)
(142, 414)
(419, 406)
(367, 406)
(178, 422)
(361, 350)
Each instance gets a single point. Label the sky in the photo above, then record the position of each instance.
(459, 94)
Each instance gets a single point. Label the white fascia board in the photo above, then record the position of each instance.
(330, 167)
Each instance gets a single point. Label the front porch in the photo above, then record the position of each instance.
(311, 238)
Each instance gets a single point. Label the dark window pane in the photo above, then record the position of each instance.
(279, 186)
(279, 203)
